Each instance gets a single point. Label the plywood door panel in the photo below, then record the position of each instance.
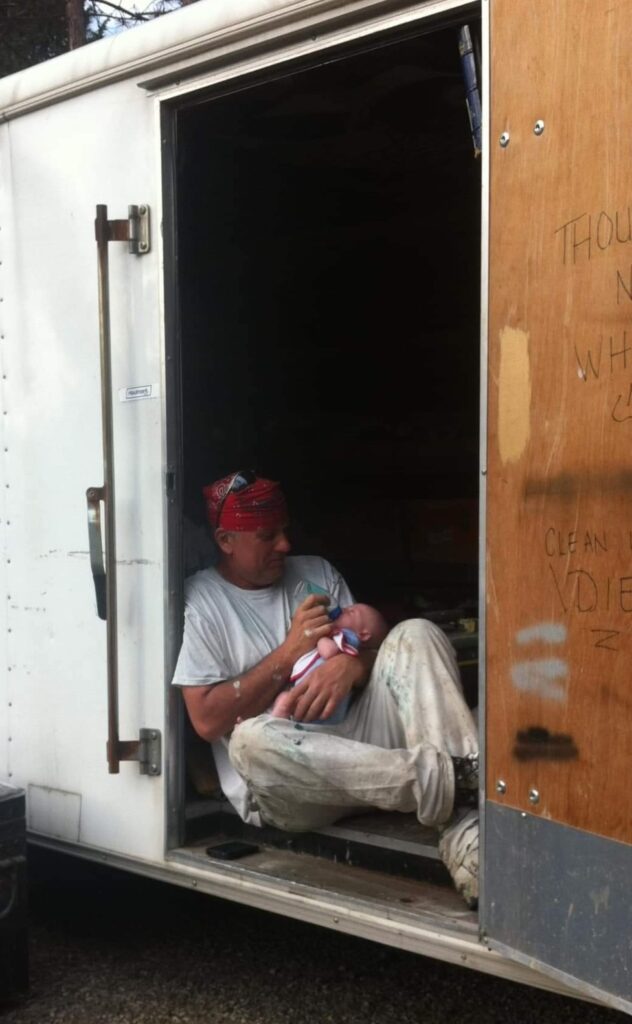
(559, 569)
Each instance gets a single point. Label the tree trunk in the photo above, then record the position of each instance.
(75, 16)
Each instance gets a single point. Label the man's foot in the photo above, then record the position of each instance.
(458, 849)
(466, 780)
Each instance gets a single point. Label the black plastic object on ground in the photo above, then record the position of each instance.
(13, 918)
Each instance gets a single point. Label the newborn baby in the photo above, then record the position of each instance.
(358, 626)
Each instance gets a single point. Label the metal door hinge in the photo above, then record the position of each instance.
(134, 230)
(147, 750)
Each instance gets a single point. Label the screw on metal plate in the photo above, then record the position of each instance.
(534, 796)
(138, 233)
(504, 139)
(501, 786)
(538, 127)
(150, 752)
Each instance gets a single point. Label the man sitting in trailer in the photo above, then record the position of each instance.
(408, 741)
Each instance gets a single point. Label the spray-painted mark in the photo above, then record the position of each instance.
(538, 744)
(600, 899)
(539, 677)
(570, 485)
(547, 632)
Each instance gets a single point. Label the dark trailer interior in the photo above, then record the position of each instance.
(328, 226)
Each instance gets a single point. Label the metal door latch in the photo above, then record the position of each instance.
(147, 750)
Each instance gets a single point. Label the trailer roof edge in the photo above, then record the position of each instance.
(178, 41)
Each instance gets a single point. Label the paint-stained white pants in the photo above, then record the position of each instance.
(391, 752)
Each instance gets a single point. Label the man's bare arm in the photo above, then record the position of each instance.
(319, 695)
(215, 709)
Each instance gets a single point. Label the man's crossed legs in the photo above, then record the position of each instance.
(394, 751)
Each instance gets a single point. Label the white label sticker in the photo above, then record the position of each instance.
(137, 393)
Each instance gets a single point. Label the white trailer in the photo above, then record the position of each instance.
(299, 261)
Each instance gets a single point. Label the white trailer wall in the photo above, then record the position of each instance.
(57, 164)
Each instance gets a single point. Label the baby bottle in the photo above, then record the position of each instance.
(306, 587)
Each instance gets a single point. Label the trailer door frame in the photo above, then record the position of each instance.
(359, 29)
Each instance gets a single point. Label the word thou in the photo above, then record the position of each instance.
(584, 236)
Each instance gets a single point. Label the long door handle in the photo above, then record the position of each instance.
(134, 231)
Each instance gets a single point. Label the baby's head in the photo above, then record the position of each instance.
(365, 621)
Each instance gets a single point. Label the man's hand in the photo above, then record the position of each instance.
(310, 622)
(326, 686)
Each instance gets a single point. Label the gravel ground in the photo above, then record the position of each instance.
(109, 948)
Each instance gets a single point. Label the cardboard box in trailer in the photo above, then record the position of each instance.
(300, 261)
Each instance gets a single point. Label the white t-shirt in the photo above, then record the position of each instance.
(228, 630)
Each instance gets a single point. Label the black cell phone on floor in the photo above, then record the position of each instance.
(232, 850)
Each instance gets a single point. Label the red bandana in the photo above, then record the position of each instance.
(259, 505)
